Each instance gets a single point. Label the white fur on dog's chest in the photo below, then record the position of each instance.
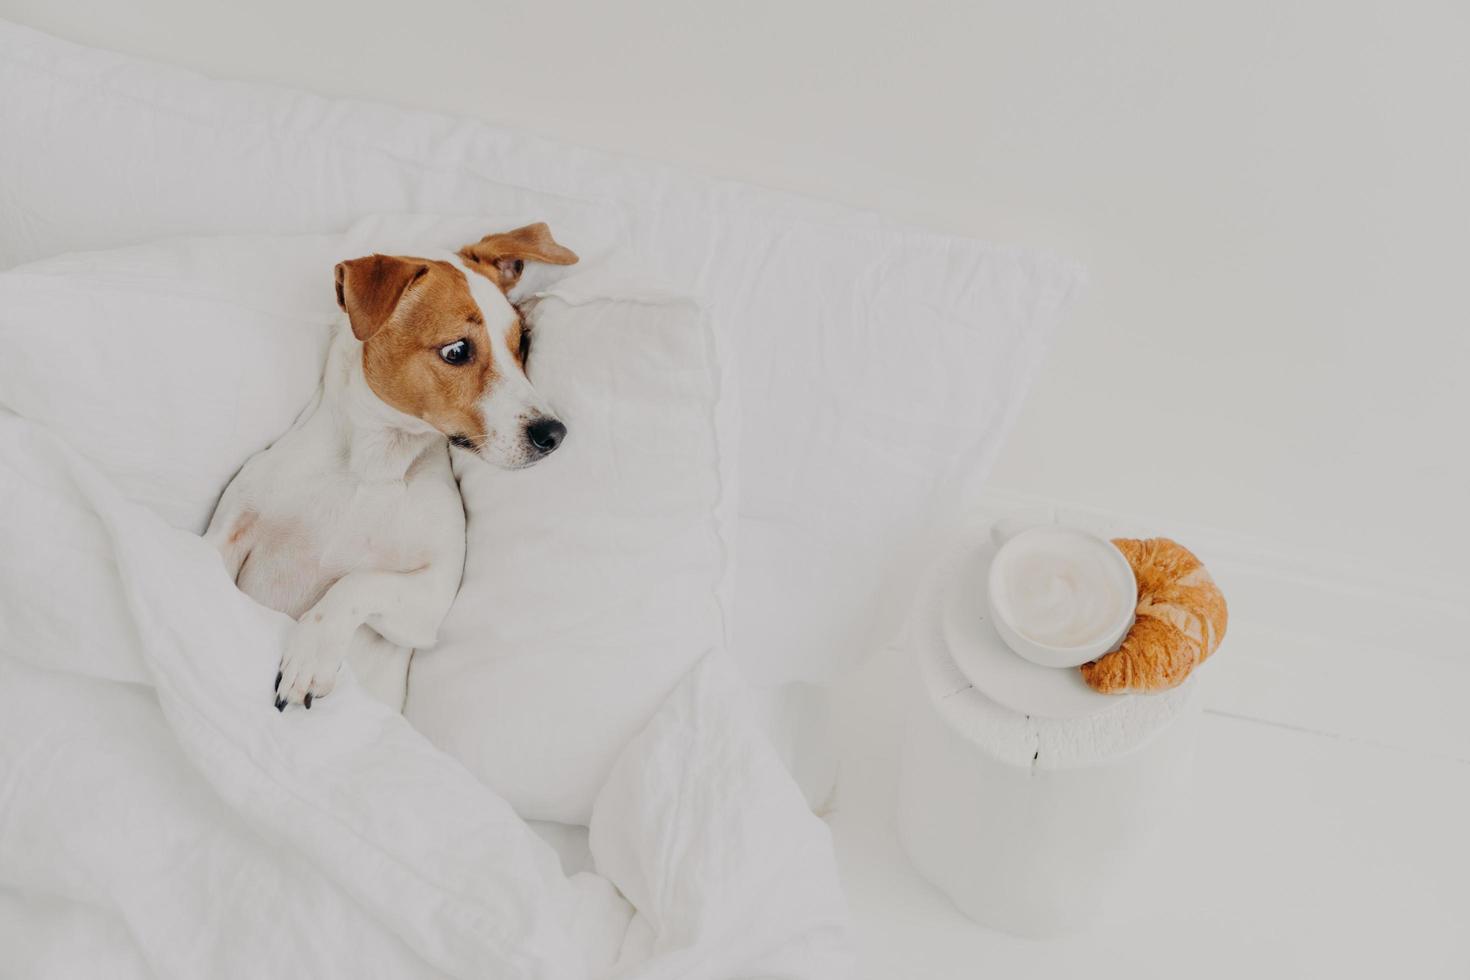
(308, 541)
(330, 499)
(367, 527)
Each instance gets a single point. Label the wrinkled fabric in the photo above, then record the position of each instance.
(160, 817)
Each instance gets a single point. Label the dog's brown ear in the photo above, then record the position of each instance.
(503, 257)
(369, 288)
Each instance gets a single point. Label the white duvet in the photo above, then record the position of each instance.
(159, 818)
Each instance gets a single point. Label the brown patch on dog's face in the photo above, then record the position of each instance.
(502, 257)
(426, 349)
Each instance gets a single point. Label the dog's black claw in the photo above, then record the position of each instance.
(279, 675)
(308, 701)
(280, 704)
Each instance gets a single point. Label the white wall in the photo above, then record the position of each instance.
(1273, 198)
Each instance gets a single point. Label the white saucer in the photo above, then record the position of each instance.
(983, 657)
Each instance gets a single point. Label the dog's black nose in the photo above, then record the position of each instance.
(545, 435)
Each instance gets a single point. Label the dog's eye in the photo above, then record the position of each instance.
(525, 345)
(456, 353)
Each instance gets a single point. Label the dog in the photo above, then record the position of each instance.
(351, 523)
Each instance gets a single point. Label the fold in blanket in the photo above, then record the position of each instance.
(158, 816)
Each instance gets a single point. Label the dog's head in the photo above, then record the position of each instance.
(442, 342)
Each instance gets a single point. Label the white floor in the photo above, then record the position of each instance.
(1302, 852)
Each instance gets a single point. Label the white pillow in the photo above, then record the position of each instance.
(594, 580)
(169, 364)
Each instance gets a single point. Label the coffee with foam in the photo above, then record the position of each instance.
(1062, 589)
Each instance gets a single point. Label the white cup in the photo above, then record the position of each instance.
(1059, 596)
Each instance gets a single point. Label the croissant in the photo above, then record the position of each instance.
(1180, 622)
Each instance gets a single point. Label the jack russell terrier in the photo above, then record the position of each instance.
(351, 523)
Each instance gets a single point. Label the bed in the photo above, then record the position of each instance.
(153, 796)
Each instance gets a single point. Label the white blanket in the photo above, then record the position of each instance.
(158, 817)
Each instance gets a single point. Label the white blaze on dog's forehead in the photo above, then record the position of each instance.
(498, 314)
(496, 309)
(511, 401)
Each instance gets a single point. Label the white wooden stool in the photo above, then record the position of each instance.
(1030, 824)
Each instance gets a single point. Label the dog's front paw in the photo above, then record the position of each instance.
(314, 654)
